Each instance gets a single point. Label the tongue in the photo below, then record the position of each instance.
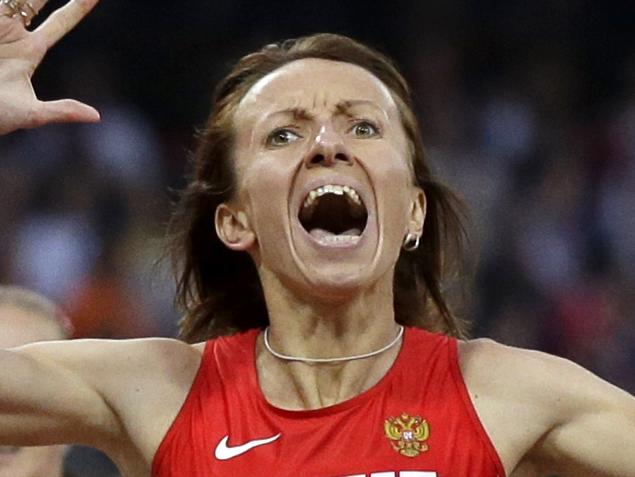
(318, 233)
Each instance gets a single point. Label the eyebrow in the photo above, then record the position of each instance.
(341, 108)
(344, 107)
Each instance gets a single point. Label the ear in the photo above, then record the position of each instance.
(232, 228)
(417, 215)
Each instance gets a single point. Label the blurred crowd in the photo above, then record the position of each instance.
(527, 111)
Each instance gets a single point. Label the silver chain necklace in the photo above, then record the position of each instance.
(331, 360)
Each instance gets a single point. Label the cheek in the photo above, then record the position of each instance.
(388, 168)
(392, 179)
(264, 187)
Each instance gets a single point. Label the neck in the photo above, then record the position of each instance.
(305, 325)
(334, 360)
(322, 328)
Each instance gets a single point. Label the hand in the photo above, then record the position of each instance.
(21, 51)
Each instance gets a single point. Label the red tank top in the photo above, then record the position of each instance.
(417, 421)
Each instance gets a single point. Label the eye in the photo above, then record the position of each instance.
(282, 137)
(365, 129)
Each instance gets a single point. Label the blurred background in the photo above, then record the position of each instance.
(527, 110)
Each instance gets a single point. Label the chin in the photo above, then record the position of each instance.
(336, 283)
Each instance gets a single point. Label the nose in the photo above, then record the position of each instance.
(327, 150)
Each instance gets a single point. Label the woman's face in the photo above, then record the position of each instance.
(325, 194)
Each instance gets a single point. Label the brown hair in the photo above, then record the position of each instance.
(219, 289)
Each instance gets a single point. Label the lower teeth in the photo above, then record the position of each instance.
(339, 239)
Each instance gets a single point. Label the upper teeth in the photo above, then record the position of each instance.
(332, 189)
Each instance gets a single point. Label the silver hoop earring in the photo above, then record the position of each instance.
(411, 242)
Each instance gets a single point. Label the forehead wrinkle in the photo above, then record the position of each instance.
(324, 98)
(297, 113)
(342, 108)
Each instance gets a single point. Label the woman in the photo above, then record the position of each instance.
(311, 172)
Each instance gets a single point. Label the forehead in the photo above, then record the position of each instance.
(312, 84)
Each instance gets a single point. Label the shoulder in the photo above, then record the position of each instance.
(481, 358)
(531, 402)
(162, 352)
(142, 382)
(151, 361)
(513, 385)
(540, 384)
(88, 356)
(146, 384)
(523, 374)
(123, 371)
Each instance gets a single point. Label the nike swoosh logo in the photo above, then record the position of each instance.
(225, 452)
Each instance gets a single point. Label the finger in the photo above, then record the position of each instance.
(38, 4)
(63, 111)
(31, 8)
(63, 20)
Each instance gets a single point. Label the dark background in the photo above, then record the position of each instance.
(527, 110)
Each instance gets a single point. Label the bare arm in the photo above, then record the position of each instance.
(548, 415)
(117, 396)
(21, 52)
(43, 402)
(594, 424)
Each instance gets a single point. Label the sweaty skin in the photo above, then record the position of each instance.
(310, 122)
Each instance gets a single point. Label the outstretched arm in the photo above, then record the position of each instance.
(119, 396)
(548, 415)
(21, 51)
(46, 399)
(594, 432)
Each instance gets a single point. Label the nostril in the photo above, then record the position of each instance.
(317, 159)
(328, 159)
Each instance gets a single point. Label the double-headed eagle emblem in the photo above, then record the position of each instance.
(407, 434)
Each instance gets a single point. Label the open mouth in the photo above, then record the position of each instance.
(334, 214)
